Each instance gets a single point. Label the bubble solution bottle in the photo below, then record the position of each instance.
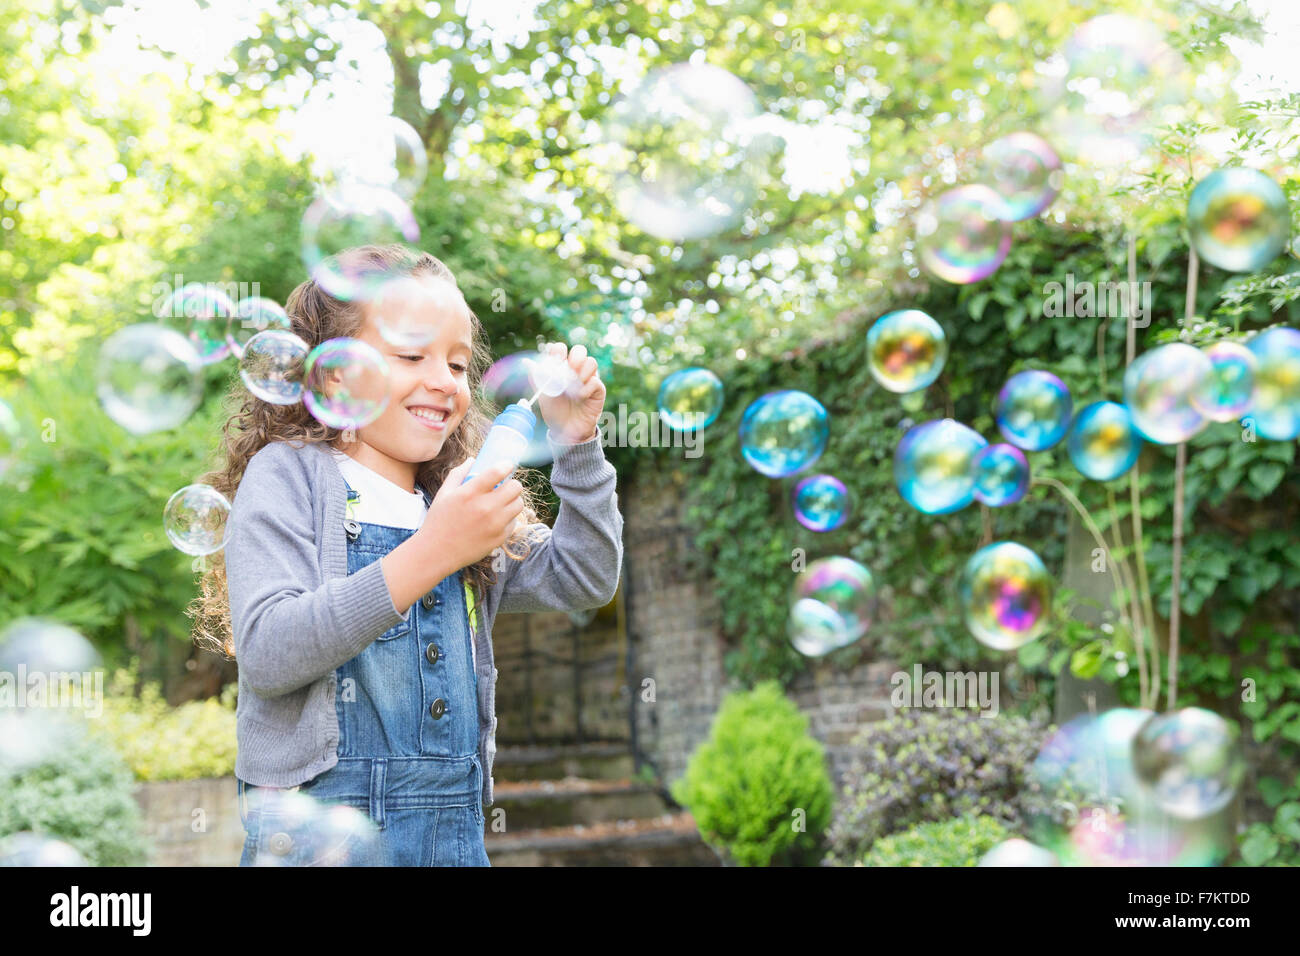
(507, 440)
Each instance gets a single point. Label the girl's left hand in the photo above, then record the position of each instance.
(572, 415)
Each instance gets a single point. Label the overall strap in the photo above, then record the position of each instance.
(470, 608)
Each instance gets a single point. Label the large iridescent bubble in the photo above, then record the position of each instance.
(271, 366)
(1238, 219)
(1024, 171)
(934, 466)
(685, 151)
(1001, 475)
(1103, 443)
(346, 383)
(1033, 410)
(150, 378)
(253, 315)
(960, 236)
(783, 432)
(1276, 412)
(379, 151)
(906, 350)
(821, 502)
(690, 399)
(1228, 392)
(832, 605)
(1006, 595)
(1190, 761)
(353, 215)
(195, 519)
(203, 312)
(1158, 390)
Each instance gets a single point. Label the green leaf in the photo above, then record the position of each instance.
(1266, 475)
(1259, 847)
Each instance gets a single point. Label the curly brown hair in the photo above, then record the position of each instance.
(251, 424)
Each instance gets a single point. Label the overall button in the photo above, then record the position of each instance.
(280, 844)
(431, 652)
(428, 601)
(438, 708)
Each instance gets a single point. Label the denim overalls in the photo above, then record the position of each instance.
(408, 735)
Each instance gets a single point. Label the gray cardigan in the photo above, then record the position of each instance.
(297, 614)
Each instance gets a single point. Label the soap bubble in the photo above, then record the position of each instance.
(783, 432)
(690, 399)
(1238, 219)
(1033, 410)
(1158, 390)
(296, 830)
(11, 437)
(821, 502)
(934, 466)
(1189, 759)
(1006, 595)
(346, 383)
(550, 375)
(378, 151)
(353, 215)
(906, 350)
(685, 150)
(28, 735)
(1024, 171)
(959, 235)
(601, 322)
(1117, 79)
(195, 519)
(34, 849)
(1277, 383)
(253, 315)
(204, 314)
(149, 378)
(407, 310)
(1103, 443)
(833, 605)
(505, 383)
(47, 646)
(1001, 475)
(272, 366)
(1018, 852)
(1228, 391)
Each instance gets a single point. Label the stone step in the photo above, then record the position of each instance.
(592, 761)
(571, 801)
(670, 839)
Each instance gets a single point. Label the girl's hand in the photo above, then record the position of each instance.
(572, 415)
(471, 520)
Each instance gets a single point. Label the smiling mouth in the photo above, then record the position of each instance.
(431, 418)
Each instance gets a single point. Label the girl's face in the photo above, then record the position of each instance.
(428, 384)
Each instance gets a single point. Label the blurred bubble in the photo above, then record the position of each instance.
(383, 152)
(601, 322)
(833, 605)
(33, 849)
(685, 151)
(203, 313)
(1103, 443)
(195, 519)
(296, 830)
(906, 350)
(47, 646)
(1190, 760)
(1277, 383)
(346, 383)
(408, 310)
(254, 315)
(1001, 475)
(149, 378)
(1006, 595)
(821, 502)
(1238, 219)
(1117, 79)
(959, 235)
(11, 437)
(1158, 390)
(934, 466)
(550, 375)
(1024, 171)
(271, 366)
(690, 399)
(1228, 392)
(1033, 410)
(1018, 852)
(783, 432)
(28, 736)
(506, 382)
(353, 215)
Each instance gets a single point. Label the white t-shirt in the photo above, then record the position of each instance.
(383, 502)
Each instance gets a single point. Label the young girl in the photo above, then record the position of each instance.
(363, 578)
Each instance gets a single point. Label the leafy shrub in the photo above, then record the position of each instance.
(1274, 842)
(79, 793)
(926, 766)
(958, 842)
(159, 742)
(747, 782)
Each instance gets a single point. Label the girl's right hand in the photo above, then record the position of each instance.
(471, 520)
